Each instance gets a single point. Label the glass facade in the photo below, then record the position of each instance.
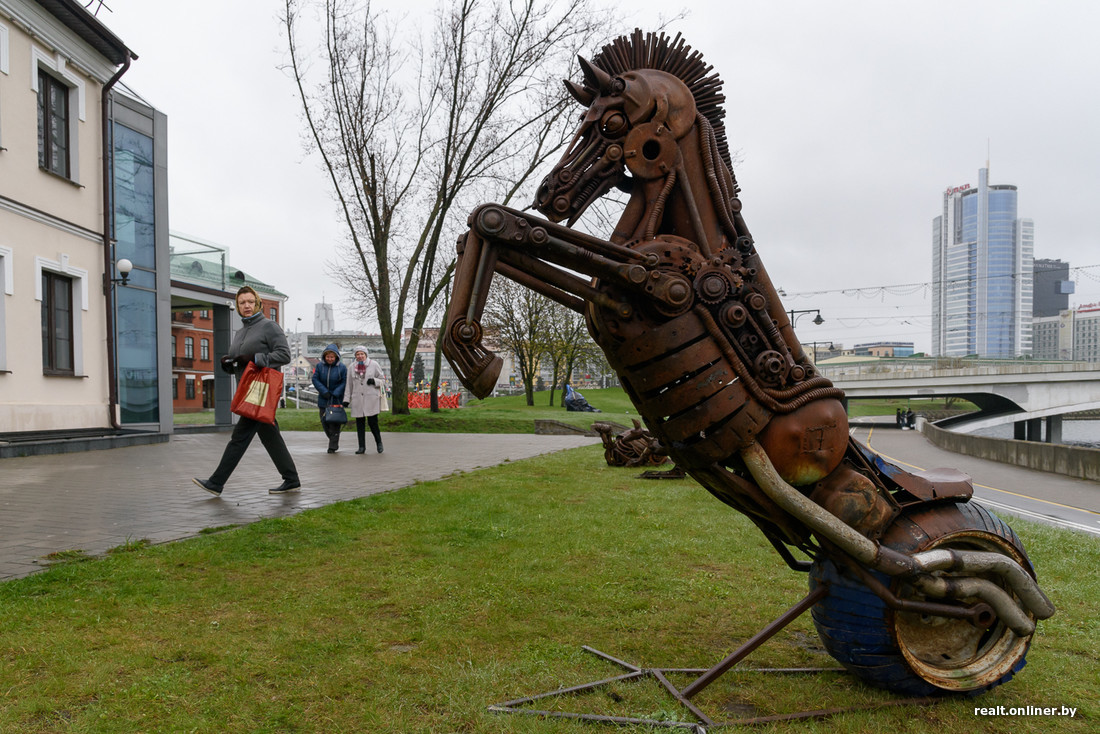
(136, 313)
(982, 273)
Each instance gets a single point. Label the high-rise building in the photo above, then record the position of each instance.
(981, 273)
(323, 320)
(1052, 288)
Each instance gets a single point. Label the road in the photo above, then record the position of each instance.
(1009, 490)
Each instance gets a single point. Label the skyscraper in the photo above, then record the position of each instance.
(323, 320)
(981, 273)
(1052, 288)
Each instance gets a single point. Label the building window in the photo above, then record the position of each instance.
(57, 324)
(204, 314)
(275, 315)
(190, 388)
(176, 388)
(173, 346)
(204, 350)
(53, 125)
(189, 347)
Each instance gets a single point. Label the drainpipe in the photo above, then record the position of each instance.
(108, 264)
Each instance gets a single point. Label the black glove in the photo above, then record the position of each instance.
(370, 380)
(229, 364)
(244, 359)
(346, 403)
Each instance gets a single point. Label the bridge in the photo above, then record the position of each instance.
(1027, 394)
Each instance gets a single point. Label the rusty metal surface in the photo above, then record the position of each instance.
(633, 447)
(680, 302)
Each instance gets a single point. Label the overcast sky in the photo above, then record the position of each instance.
(849, 120)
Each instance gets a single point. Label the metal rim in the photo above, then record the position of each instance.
(953, 654)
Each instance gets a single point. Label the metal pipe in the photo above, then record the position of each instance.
(894, 563)
(108, 264)
(813, 515)
(982, 562)
(961, 587)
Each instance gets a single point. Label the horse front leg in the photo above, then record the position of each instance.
(534, 253)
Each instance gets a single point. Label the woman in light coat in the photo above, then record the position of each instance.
(364, 394)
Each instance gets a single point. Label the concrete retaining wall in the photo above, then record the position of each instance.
(1072, 461)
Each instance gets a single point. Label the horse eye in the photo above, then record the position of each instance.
(613, 123)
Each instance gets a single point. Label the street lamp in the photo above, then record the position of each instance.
(794, 318)
(297, 367)
(124, 267)
(813, 345)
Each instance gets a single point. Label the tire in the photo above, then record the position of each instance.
(910, 653)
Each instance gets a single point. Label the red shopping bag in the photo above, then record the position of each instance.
(258, 393)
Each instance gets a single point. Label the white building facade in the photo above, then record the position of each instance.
(58, 316)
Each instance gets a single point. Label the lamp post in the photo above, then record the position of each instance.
(123, 266)
(794, 315)
(297, 367)
(813, 345)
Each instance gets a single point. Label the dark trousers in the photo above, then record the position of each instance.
(242, 436)
(332, 430)
(361, 430)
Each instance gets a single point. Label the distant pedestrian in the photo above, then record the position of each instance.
(910, 419)
(900, 419)
(330, 377)
(262, 341)
(364, 394)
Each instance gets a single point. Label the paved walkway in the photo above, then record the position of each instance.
(97, 500)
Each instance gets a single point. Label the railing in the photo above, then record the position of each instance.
(185, 362)
(907, 368)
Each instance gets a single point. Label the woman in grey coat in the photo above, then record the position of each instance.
(364, 396)
(262, 341)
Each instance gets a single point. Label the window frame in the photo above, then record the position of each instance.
(189, 347)
(47, 84)
(204, 350)
(49, 312)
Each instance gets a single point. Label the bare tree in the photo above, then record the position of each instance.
(519, 319)
(414, 131)
(568, 336)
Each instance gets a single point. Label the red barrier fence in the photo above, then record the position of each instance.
(424, 400)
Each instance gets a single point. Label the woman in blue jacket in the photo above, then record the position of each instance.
(330, 377)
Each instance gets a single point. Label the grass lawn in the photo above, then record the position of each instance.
(507, 414)
(413, 611)
(511, 414)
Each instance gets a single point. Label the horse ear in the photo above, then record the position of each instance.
(584, 95)
(594, 76)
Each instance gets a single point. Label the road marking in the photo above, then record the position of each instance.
(985, 486)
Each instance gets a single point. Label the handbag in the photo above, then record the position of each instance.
(335, 414)
(258, 393)
(383, 403)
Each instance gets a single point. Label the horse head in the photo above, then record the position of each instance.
(631, 129)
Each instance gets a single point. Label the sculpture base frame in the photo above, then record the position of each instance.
(706, 676)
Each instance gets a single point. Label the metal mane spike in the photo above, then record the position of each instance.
(584, 95)
(594, 76)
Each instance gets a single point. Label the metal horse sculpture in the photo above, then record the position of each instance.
(913, 588)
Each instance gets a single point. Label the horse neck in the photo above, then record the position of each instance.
(686, 208)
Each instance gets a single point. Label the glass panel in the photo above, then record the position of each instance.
(137, 356)
(133, 190)
(141, 279)
(62, 323)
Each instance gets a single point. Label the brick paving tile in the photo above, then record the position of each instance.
(97, 500)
